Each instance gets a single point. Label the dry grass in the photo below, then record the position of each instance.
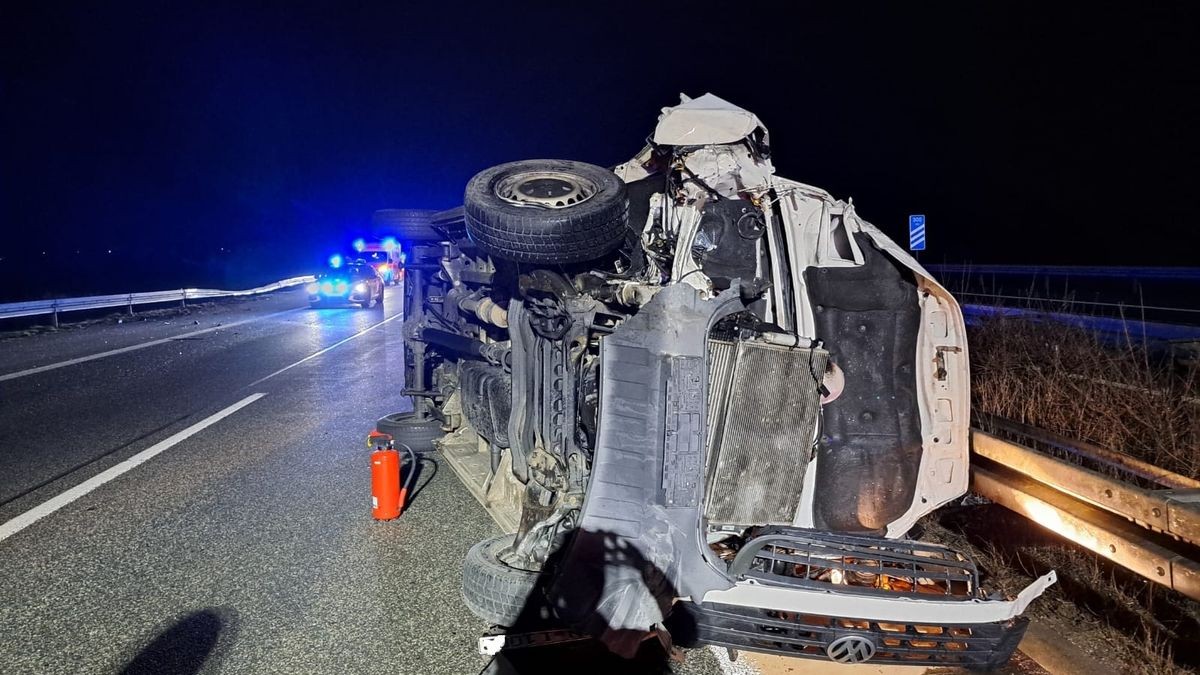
(1116, 393)
(1119, 394)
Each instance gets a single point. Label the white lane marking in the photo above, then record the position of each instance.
(55, 503)
(131, 348)
(329, 348)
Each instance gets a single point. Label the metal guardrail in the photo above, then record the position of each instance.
(1070, 304)
(1087, 294)
(14, 310)
(1152, 532)
(1075, 271)
(1121, 327)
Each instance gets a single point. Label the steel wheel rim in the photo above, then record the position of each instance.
(545, 189)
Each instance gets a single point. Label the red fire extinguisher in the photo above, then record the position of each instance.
(388, 495)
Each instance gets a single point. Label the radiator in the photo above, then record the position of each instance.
(763, 409)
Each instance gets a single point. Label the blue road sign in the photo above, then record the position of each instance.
(916, 233)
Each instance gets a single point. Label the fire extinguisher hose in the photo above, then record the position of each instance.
(412, 474)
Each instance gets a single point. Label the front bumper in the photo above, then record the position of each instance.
(349, 297)
(853, 598)
(640, 541)
(983, 646)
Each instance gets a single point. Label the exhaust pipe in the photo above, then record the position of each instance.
(495, 352)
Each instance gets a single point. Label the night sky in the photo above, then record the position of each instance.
(223, 145)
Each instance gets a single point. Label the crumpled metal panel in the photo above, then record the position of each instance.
(705, 120)
(763, 429)
(637, 547)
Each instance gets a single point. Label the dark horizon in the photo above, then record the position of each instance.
(207, 145)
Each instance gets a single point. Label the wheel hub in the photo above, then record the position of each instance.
(545, 189)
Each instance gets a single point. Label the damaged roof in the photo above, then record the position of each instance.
(707, 120)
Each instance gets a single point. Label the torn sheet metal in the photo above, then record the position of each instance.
(730, 169)
(707, 120)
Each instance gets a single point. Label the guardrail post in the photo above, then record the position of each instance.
(183, 298)
(131, 304)
(55, 308)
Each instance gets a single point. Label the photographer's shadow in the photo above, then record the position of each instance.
(608, 579)
(187, 646)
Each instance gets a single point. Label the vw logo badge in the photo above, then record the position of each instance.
(850, 649)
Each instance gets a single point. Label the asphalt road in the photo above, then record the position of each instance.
(246, 545)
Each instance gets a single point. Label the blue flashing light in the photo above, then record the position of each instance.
(359, 244)
(335, 260)
(389, 243)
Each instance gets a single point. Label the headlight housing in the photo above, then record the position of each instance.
(360, 288)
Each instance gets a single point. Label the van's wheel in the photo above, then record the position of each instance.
(418, 434)
(405, 224)
(546, 211)
(496, 592)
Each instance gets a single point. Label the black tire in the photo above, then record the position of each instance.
(405, 224)
(410, 430)
(493, 591)
(548, 234)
